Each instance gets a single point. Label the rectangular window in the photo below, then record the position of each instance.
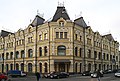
(57, 34)
(61, 34)
(117, 58)
(30, 40)
(19, 42)
(61, 24)
(110, 57)
(80, 38)
(89, 53)
(65, 35)
(95, 54)
(80, 52)
(107, 57)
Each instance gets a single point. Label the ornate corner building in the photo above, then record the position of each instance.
(57, 45)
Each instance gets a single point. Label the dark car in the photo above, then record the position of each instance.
(3, 77)
(16, 73)
(86, 73)
(59, 75)
(107, 71)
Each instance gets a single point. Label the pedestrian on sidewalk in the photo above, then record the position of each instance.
(38, 76)
(98, 75)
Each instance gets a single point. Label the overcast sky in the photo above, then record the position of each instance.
(102, 15)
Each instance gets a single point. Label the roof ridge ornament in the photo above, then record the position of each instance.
(41, 15)
(61, 4)
(79, 15)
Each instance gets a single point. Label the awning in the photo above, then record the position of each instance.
(61, 60)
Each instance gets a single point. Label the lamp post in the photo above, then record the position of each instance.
(1, 65)
(23, 61)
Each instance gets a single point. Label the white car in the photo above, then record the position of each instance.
(94, 75)
(117, 74)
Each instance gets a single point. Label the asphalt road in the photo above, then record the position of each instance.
(78, 77)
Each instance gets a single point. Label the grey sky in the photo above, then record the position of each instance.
(102, 15)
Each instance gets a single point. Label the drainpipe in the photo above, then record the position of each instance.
(36, 51)
(14, 51)
(84, 49)
(73, 49)
(49, 45)
(101, 54)
(24, 51)
(3, 56)
(94, 53)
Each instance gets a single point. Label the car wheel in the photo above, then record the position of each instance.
(3, 80)
(58, 77)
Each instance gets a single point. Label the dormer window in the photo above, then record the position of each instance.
(61, 23)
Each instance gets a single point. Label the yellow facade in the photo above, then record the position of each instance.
(60, 45)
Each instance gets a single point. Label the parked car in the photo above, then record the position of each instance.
(107, 71)
(117, 74)
(16, 73)
(3, 77)
(59, 75)
(95, 75)
(86, 73)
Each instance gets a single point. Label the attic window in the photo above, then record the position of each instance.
(61, 23)
(63, 11)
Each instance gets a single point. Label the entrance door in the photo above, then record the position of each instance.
(61, 67)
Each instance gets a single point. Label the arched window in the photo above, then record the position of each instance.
(7, 67)
(40, 66)
(29, 67)
(11, 55)
(89, 67)
(7, 56)
(17, 54)
(100, 66)
(22, 67)
(11, 66)
(61, 50)
(104, 67)
(40, 51)
(17, 66)
(46, 68)
(80, 52)
(80, 67)
(45, 50)
(61, 23)
(22, 54)
(76, 67)
(30, 53)
(76, 51)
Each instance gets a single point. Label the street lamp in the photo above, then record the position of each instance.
(23, 56)
(1, 59)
